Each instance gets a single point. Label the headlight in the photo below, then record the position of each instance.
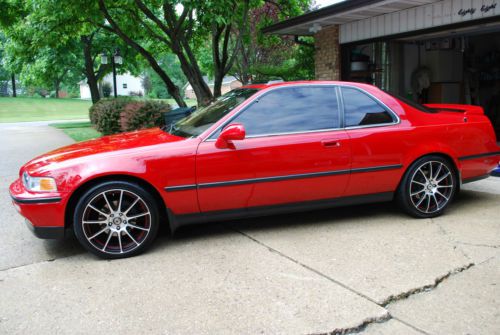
(39, 184)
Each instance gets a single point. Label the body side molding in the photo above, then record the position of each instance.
(281, 178)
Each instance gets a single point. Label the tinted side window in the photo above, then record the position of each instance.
(292, 109)
(360, 109)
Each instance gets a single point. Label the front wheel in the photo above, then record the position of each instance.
(116, 220)
(428, 187)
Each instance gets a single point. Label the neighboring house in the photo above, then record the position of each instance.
(228, 83)
(126, 85)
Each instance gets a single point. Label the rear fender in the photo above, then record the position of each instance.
(427, 149)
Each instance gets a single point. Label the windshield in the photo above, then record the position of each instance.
(196, 123)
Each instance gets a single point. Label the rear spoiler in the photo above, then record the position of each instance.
(469, 109)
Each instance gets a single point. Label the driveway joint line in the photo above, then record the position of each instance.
(410, 325)
(38, 262)
(308, 267)
(451, 240)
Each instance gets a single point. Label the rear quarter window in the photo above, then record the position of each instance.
(362, 110)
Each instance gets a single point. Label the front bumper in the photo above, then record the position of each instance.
(46, 232)
(44, 213)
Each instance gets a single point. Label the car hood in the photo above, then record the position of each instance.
(105, 144)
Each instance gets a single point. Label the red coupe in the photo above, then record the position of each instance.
(257, 150)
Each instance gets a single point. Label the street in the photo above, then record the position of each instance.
(369, 269)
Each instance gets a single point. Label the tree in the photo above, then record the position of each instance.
(51, 68)
(266, 56)
(227, 21)
(239, 48)
(161, 28)
(53, 39)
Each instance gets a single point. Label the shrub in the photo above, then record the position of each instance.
(143, 114)
(105, 115)
(112, 116)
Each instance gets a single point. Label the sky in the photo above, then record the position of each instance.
(323, 3)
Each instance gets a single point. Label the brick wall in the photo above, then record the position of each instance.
(327, 55)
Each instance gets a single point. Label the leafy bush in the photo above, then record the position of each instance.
(105, 114)
(112, 116)
(143, 114)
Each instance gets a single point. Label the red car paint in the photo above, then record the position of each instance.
(179, 168)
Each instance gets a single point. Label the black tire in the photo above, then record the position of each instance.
(132, 221)
(428, 187)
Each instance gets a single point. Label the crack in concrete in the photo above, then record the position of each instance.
(361, 327)
(393, 298)
(426, 288)
(479, 245)
(351, 330)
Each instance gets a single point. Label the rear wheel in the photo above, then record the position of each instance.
(116, 220)
(428, 187)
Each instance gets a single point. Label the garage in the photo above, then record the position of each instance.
(424, 50)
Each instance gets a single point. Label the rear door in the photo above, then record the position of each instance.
(294, 151)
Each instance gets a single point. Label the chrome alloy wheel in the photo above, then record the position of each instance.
(431, 187)
(116, 221)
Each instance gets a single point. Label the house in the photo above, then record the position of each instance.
(228, 83)
(126, 85)
(431, 51)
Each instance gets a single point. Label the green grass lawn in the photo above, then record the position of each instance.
(79, 131)
(189, 102)
(22, 109)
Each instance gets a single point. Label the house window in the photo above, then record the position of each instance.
(124, 85)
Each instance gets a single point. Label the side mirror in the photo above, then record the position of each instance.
(233, 132)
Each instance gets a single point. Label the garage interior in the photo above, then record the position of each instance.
(460, 66)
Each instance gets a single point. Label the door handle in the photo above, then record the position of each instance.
(331, 143)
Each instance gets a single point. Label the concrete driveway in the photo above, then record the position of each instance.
(366, 269)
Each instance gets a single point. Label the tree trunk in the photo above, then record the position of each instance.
(89, 69)
(218, 79)
(56, 87)
(172, 89)
(203, 94)
(14, 94)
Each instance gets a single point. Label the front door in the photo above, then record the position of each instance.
(294, 151)
(377, 143)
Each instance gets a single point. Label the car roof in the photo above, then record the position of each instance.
(305, 82)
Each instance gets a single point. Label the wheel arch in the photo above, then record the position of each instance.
(73, 199)
(447, 156)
